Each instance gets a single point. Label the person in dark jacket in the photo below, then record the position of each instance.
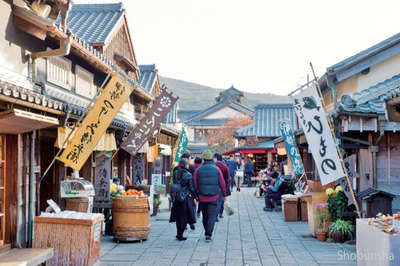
(197, 163)
(225, 172)
(232, 166)
(187, 156)
(182, 209)
(248, 171)
(192, 168)
(209, 184)
(273, 192)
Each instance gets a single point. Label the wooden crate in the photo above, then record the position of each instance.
(303, 210)
(290, 209)
(75, 241)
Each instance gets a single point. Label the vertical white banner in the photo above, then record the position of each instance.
(312, 119)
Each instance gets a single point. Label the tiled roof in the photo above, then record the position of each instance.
(266, 119)
(20, 87)
(371, 100)
(184, 115)
(358, 62)
(207, 122)
(365, 53)
(148, 76)
(197, 149)
(171, 117)
(218, 106)
(231, 91)
(94, 22)
(79, 110)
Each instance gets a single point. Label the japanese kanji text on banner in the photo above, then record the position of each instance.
(144, 130)
(96, 122)
(291, 148)
(312, 118)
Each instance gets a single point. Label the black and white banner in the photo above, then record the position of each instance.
(312, 118)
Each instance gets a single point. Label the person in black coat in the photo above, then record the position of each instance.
(182, 208)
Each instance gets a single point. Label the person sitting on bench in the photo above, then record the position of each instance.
(273, 192)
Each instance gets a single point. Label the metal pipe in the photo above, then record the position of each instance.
(356, 140)
(31, 188)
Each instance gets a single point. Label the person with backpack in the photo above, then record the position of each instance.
(183, 197)
(209, 184)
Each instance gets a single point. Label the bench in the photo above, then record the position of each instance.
(26, 256)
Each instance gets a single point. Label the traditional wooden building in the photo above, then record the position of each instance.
(204, 123)
(356, 91)
(50, 73)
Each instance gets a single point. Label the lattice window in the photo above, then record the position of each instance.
(59, 71)
(84, 82)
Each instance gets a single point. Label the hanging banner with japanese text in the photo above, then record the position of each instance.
(145, 129)
(182, 145)
(291, 148)
(96, 122)
(312, 118)
(102, 176)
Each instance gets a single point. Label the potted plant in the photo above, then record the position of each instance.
(321, 219)
(156, 203)
(341, 229)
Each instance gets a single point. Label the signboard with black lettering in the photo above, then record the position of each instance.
(102, 177)
(313, 120)
(145, 129)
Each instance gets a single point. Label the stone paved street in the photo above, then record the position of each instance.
(249, 237)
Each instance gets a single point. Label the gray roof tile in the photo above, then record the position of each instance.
(94, 22)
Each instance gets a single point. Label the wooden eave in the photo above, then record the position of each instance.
(44, 27)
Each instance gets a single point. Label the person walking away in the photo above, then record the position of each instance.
(187, 156)
(248, 171)
(183, 200)
(209, 182)
(225, 172)
(273, 192)
(232, 166)
(192, 168)
(197, 163)
(240, 174)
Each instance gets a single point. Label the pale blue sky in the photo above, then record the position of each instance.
(257, 45)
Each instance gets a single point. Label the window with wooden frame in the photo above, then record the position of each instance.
(59, 71)
(2, 189)
(84, 82)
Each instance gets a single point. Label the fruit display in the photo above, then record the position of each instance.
(133, 192)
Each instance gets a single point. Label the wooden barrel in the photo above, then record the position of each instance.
(77, 204)
(131, 220)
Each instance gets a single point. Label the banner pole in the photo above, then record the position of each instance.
(337, 144)
(72, 131)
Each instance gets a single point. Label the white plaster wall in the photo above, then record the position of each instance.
(226, 112)
(379, 72)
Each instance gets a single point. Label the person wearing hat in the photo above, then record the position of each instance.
(182, 207)
(209, 184)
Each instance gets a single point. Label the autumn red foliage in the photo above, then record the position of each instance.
(222, 139)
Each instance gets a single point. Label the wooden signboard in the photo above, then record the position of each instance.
(102, 177)
(95, 124)
(150, 123)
